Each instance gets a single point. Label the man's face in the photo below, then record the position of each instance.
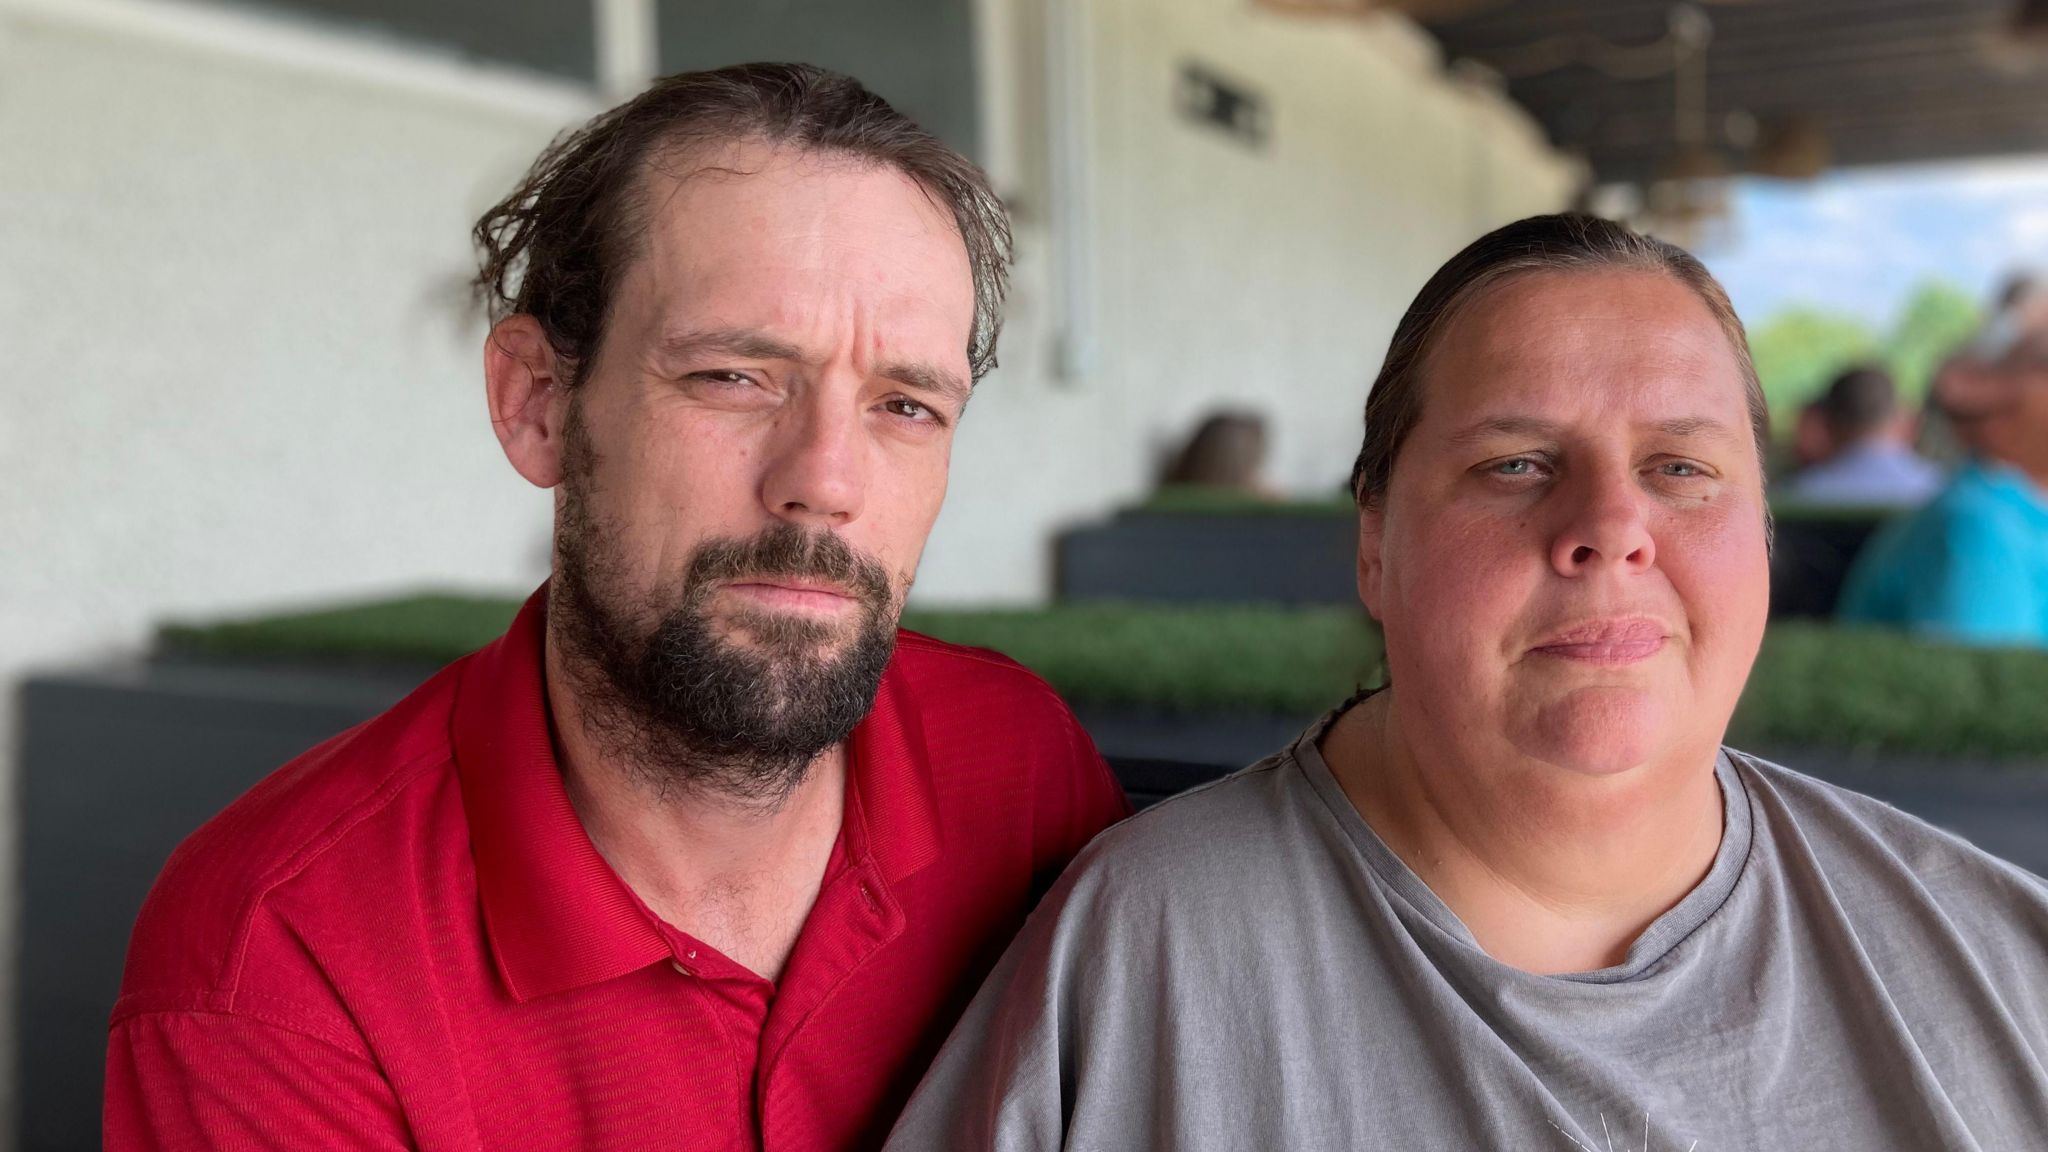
(2015, 430)
(757, 454)
(1570, 559)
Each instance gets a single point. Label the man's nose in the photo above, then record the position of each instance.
(817, 468)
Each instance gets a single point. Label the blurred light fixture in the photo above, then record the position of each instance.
(1792, 148)
(1693, 163)
(2030, 22)
(1422, 10)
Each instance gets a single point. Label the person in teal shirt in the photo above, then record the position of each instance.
(1972, 565)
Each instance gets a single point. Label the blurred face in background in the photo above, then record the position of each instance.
(1570, 560)
(753, 462)
(2014, 430)
(1997, 400)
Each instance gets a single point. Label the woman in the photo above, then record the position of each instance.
(1522, 897)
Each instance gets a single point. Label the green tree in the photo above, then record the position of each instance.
(1934, 323)
(1799, 350)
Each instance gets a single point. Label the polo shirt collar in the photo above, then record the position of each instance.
(556, 914)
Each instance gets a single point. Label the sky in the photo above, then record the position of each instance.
(1859, 241)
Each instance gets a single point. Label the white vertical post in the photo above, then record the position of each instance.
(1070, 116)
(628, 52)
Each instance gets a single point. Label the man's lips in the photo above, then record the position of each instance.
(801, 595)
(1624, 640)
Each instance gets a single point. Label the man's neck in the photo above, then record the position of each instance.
(734, 873)
(1550, 872)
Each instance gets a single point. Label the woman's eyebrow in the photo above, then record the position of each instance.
(1686, 427)
(1508, 426)
(1676, 427)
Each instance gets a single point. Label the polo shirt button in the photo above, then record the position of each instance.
(678, 966)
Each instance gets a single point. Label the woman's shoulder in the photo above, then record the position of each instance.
(1213, 846)
(1867, 845)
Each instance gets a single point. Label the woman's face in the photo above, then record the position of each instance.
(1570, 560)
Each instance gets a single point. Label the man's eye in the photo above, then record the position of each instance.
(1682, 469)
(1519, 466)
(723, 376)
(908, 409)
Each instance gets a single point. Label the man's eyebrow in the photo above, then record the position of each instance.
(743, 342)
(929, 380)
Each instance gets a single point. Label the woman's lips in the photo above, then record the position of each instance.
(1624, 641)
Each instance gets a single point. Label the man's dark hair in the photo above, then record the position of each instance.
(1563, 243)
(1857, 403)
(555, 248)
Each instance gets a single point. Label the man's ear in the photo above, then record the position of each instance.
(529, 398)
(1371, 530)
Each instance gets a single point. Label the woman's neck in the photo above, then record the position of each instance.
(1550, 870)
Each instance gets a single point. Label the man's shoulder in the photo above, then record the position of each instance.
(219, 885)
(924, 655)
(942, 670)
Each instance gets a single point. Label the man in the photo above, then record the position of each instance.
(702, 853)
(1869, 459)
(1972, 566)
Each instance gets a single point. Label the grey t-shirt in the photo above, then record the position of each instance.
(1248, 966)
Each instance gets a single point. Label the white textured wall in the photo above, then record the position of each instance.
(234, 374)
(1266, 278)
(239, 369)
(236, 377)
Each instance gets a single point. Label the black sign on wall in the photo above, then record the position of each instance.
(1229, 106)
(917, 54)
(553, 36)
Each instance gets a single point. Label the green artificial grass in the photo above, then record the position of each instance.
(1210, 658)
(432, 627)
(1813, 685)
(1818, 685)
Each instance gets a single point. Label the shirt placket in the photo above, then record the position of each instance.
(738, 1003)
(854, 917)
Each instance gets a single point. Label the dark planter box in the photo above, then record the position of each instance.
(121, 764)
(1810, 559)
(1276, 558)
(118, 766)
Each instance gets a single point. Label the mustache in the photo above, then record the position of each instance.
(789, 551)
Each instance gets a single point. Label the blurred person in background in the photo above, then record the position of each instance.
(703, 852)
(1859, 439)
(1972, 566)
(1226, 452)
(1522, 896)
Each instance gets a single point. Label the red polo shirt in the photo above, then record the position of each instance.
(404, 939)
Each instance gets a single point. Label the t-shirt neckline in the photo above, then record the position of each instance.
(1656, 943)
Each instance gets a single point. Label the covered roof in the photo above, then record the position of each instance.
(1883, 81)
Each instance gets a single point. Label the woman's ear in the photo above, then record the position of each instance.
(1371, 528)
(528, 397)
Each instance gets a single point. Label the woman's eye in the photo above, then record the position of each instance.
(1682, 469)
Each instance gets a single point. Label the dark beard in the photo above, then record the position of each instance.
(688, 710)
